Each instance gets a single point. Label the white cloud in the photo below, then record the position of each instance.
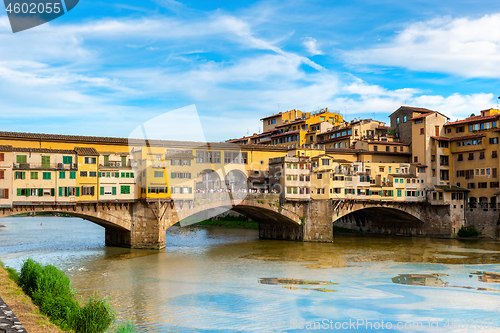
(311, 46)
(465, 47)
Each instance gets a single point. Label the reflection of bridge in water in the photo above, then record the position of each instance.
(142, 223)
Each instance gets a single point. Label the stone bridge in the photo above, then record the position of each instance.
(143, 223)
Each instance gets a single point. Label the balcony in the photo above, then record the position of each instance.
(44, 166)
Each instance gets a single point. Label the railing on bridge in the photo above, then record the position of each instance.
(41, 166)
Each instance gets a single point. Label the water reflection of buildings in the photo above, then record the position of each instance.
(429, 280)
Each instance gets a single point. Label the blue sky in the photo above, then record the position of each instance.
(106, 67)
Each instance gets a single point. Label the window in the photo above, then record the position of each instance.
(62, 174)
(46, 175)
(493, 140)
(34, 175)
(89, 160)
(4, 193)
(319, 176)
(471, 185)
(399, 193)
(87, 190)
(124, 189)
(471, 156)
(415, 159)
(158, 174)
(419, 121)
(397, 120)
(460, 129)
(448, 130)
(325, 161)
(72, 175)
(19, 175)
(203, 156)
(92, 174)
(494, 173)
(460, 173)
(481, 155)
(404, 119)
(460, 157)
(482, 185)
(494, 154)
(421, 131)
(471, 128)
(2, 158)
(21, 159)
(493, 184)
(83, 174)
(67, 159)
(387, 148)
(444, 160)
(445, 175)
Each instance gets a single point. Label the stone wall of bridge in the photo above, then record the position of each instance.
(143, 224)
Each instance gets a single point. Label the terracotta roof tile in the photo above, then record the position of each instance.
(471, 119)
(86, 151)
(5, 148)
(44, 150)
(412, 108)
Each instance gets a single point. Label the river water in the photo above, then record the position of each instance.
(228, 280)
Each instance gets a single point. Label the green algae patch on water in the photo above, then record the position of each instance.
(283, 281)
(292, 283)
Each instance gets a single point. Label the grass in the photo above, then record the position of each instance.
(468, 232)
(22, 305)
(341, 230)
(50, 289)
(229, 221)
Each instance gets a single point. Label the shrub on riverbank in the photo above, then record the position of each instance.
(468, 232)
(51, 290)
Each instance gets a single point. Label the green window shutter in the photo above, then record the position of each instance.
(45, 162)
(172, 175)
(117, 175)
(52, 192)
(102, 190)
(106, 160)
(27, 192)
(100, 174)
(21, 159)
(60, 191)
(62, 174)
(23, 175)
(114, 190)
(67, 159)
(108, 174)
(190, 190)
(77, 191)
(40, 192)
(19, 192)
(124, 160)
(72, 175)
(123, 174)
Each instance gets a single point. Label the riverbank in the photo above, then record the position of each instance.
(22, 306)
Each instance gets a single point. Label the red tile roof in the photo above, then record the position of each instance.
(5, 148)
(274, 115)
(428, 114)
(282, 134)
(86, 151)
(412, 108)
(471, 119)
(44, 150)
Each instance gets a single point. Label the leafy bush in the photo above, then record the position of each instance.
(124, 328)
(468, 232)
(51, 290)
(63, 310)
(95, 317)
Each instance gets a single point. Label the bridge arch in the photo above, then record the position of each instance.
(381, 219)
(236, 180)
